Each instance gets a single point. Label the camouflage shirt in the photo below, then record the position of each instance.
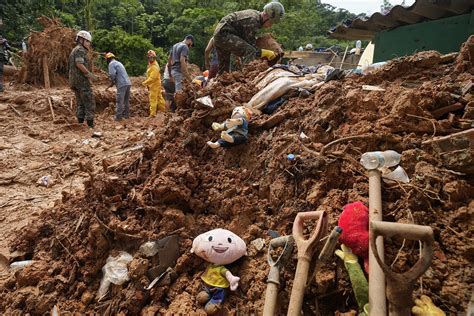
(77, 78)
(245, 24)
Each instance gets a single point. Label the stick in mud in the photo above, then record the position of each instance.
(51, 108)
(15, 110)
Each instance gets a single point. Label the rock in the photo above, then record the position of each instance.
(87, 297)
(31, 275)
(256, 246)
(138, 267)
(258, 243)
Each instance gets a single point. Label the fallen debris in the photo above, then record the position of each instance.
(178, 186)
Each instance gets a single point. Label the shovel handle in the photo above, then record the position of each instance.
(306, 247)
(406, 231)
(283, 241)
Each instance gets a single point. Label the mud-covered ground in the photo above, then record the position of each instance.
(177, 185)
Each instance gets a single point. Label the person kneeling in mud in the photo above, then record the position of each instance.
(236, 129)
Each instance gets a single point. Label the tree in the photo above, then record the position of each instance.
(130, 49)
(200, 22)
(386, 7)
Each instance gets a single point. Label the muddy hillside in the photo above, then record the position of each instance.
(171, 183)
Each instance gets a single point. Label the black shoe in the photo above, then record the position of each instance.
(90, 123)
(80, 120)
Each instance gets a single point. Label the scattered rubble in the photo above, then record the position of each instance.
(175, 185)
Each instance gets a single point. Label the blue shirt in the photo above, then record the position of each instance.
(178, 50)
(118, 74)
(240, 129)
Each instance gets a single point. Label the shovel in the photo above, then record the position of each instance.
(306, 249)
(400, 286)
(274, 274)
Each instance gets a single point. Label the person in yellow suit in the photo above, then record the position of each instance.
(153, 83)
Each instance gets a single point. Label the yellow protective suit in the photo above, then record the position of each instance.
(153, 82)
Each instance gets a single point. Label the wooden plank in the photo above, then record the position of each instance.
(47, 84)
(446, 109)
(344, 57)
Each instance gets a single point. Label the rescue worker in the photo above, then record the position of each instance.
(153, 83)
(211, 61)
(4, 47)
(235, 34)
(80, 77)
(168, 85)
(178, 61)
(118, 76)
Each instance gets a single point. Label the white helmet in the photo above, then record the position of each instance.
(85, 35)
(309, 46)
(274, 10)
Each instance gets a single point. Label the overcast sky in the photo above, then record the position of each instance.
(363, 6)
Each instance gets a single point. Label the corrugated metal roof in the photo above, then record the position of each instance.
(420, 11)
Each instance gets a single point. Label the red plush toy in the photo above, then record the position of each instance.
(354, 221)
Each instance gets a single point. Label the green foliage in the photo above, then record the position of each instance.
(130, 49)
(199, 22)
(130, 27)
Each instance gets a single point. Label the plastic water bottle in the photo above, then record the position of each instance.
(392, 158)
(358, 47)
(378, 159)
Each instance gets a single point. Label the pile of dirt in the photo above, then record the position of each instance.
(177, 185)
(50, 48)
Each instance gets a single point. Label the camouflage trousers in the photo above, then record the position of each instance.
(85, 103)
(228, 44)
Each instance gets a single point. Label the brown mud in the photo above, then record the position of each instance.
(177, 185)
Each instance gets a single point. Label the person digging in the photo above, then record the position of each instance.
(236, 129)
(119, 77)
(236, 34)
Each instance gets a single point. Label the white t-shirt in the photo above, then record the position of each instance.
(166, 74)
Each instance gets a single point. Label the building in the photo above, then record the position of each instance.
(441, 25)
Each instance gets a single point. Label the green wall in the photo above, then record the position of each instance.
(444, 35)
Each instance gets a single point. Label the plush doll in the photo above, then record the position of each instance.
(218, 247)
(354, 221)
(357, 277)
(236, 129)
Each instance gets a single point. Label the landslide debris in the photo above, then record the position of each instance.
(177, 185)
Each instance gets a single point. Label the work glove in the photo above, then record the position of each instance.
(425, 307)
(217, 126)
(358, 280)
(91, 76)
(268, 54)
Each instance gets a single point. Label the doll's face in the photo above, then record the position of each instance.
(240, 112)
(219, 246)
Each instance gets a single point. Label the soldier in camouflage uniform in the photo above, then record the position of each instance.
(236, 34)
(80, 74)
